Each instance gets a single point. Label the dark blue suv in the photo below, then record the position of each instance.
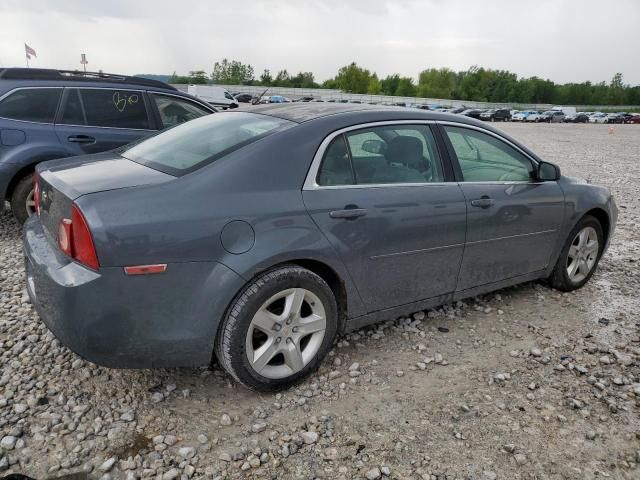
(47, 114)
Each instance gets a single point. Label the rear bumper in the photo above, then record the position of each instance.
(120, 321)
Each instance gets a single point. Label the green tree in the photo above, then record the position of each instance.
(390, 84)
(352, 78)
(437, 83)
(194, 77)
(406, 87)
(374, 87)
(304, 80)
(282, 79)
(232, 73)
(265, 78)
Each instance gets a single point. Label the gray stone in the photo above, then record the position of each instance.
(373, 474)
(108, 464)
(309, 437)
(8, 442)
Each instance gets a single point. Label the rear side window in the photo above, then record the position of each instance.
(98, 107)
(31, 104)
(382, 155)
(174, 110)
(192, 145)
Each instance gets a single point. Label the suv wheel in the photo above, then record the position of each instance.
(23, 204)
(278, 329)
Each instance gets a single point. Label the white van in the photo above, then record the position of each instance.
(566, 110)
(213, 95)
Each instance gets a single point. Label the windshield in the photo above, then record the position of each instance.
(191, 145)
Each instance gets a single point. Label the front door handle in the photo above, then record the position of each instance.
(81, 139)
(348, 213)
(482, 202)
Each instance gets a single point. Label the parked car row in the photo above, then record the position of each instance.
(555, 115)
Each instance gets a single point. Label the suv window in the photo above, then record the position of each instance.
(382, 155)
(98, 107)
(73, 111)
(484, 158)
(174, 110)
(31, 104)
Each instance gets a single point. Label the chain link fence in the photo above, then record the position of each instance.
(326, 94)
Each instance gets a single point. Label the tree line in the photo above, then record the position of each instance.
(475, 84)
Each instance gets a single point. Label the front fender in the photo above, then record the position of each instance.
(580, 198)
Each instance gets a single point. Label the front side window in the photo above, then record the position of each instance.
(382, 155)
(174, 110)
(192, 145)
(484, 158)
(111, 108)
(31, 104)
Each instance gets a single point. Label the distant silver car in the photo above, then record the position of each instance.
(258, 236)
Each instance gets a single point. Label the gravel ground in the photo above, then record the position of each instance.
(523, 383)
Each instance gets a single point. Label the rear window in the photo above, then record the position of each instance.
(31, 104)
(190, 146)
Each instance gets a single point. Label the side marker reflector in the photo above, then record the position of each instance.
(145, 269)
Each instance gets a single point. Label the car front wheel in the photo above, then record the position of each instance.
(278, 329)
(580, 255)
(23, 204)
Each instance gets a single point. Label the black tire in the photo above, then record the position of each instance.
(559, 278)
(19, 198)
(230, 348)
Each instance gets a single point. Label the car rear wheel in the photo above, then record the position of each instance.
(23, 204)
(278, 329)
(580, 255)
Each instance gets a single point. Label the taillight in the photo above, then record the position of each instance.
(36, 192)
(75, 239)
(64, 236)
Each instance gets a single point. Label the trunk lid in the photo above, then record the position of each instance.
(60, 182)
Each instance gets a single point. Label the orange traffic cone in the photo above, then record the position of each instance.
(611, 130)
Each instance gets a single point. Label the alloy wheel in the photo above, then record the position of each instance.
(583, 254)
(30, 203)
(286, 333)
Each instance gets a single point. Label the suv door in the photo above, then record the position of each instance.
(95, 120)
(513, 220)
(380, 195)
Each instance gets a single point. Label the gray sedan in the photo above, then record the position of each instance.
(258, 236)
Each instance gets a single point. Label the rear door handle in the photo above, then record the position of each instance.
(81, 139)
(348, 213)
(482, 202)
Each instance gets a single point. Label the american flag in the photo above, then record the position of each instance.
(30, 52)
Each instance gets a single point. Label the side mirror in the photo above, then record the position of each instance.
(548, 172)
(373, 146)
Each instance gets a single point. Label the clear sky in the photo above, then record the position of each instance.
(564, 40)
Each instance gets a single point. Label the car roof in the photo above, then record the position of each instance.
(52, 77)
(304, 112)
(357, 113)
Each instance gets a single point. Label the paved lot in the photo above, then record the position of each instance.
(525, 383)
